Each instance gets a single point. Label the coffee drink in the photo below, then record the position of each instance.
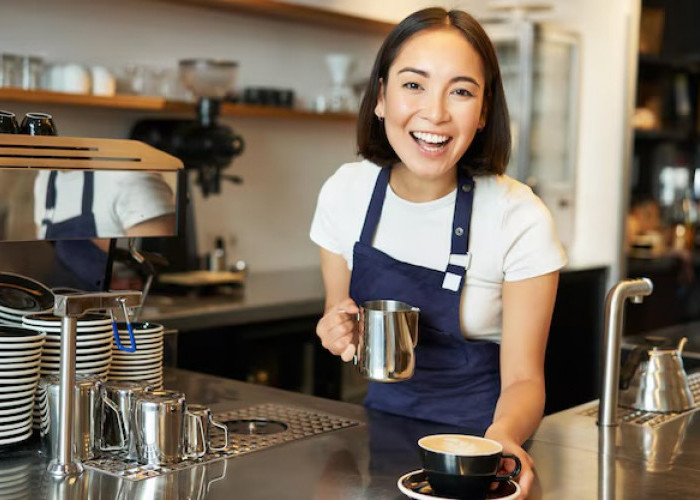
(463, 466)
(456, 444)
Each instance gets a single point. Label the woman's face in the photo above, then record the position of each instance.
(432, 101)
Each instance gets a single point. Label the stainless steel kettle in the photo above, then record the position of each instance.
(653, 378)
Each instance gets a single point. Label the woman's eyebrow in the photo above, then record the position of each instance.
(425, 74)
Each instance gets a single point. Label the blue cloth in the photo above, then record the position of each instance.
(82, 263)
(456, 381)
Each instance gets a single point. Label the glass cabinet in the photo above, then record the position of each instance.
(540, 69)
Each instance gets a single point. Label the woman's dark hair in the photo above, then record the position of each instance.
(490, 149)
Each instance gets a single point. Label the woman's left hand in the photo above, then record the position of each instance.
(527, 472)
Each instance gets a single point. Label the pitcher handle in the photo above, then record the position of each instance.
(120, 423)
(358, 318)
(225, 429)
(190, 446)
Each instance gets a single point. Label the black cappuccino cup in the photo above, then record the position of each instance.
(8, 123)
(463, 466)
(38, 124)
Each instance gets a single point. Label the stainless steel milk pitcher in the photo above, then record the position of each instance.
(91, 407)
(388, 333)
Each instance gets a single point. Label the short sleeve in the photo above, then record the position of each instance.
(325, 224)
(531, 244)
(141, 197)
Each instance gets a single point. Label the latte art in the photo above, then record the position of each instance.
(457, 444)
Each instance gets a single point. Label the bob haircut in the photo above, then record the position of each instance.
(490, 149)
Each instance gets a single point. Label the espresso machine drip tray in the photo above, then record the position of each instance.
(651, 418)
(250, 429)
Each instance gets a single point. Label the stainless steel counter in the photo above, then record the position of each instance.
(364, 461)
(264, 297)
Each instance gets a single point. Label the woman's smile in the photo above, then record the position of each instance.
(431, 143)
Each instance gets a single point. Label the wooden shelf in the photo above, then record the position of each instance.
(159, 104)
(292, 12)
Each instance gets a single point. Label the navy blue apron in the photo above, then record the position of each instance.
(456, 381)
(83, 263)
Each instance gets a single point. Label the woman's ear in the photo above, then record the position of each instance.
(483, 117)
(379, 108)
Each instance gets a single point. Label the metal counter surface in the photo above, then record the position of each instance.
(365, 461)
(265, 296)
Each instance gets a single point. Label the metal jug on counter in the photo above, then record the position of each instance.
(91, 406)
(387, 338)
(161, 425)
(123, 393)
(653, 378)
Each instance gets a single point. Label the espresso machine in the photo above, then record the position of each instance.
(205, 147)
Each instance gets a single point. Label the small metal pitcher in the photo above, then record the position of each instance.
(388, 334)
(653, 378)
(91, 406)
(123, 393)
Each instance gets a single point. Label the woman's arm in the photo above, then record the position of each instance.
(527, 313)
(336, 328)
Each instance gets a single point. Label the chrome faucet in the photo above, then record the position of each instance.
(70, 308)
(635, 290)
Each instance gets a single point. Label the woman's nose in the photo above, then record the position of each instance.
(435, 108)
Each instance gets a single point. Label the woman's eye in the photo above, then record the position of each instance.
(411, 86)
(463, 92)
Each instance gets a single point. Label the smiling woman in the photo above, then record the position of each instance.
(430, 219)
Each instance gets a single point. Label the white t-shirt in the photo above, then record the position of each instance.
(512, 236)
(121, 199)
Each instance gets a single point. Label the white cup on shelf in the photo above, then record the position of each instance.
(103, 81)
(70, 78)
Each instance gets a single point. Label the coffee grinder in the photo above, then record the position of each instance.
(204, 146)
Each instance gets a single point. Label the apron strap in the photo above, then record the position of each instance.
(88, 192)
(374, 211)
(460, 258)
(51, 191)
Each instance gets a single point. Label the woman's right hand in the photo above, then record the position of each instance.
(337, 329)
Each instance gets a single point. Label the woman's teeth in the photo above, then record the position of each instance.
(431, 142)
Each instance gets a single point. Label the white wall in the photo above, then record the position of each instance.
(286, 161)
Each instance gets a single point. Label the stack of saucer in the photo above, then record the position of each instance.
(146, 363)
(20, 354)
(20, 295)
(93, 352)
(16, 477)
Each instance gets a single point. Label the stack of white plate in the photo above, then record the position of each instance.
(93, 352)
(16, 478)
(20, 295)
(146, 363)
(20, 355)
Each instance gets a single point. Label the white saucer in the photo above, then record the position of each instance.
(19, 380)
(21, 359)
(17, 394)
(5, 355)
(21, 347)
(17, 439)
(4, 389)
(79, 358)
(19, 410)
(415, 485)
(79, 351)
(50, 320)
